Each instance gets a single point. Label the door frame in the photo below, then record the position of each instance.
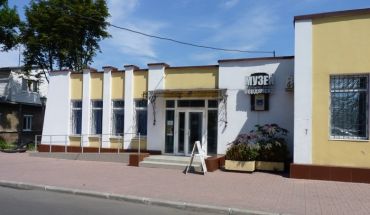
(187, 131)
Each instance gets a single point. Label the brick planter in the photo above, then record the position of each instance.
(212, 164)
(135, 158)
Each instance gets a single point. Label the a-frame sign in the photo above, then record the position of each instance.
(201, 154)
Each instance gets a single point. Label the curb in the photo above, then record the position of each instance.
(133, 199)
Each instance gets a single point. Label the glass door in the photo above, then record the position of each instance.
(190, 128)
(181, 137)
(195, 129)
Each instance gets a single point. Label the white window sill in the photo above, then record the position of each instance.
(94, 135)
(349, 140)
(75, 135)
(115, 137)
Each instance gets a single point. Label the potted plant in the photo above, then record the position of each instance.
(273, 148)
(241, 155)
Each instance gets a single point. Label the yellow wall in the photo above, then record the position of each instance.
(135, 143)
(341, 45)
(96, 86)
(140, 83)
(94, 142)
(191, 78)
(76, 86)
(118, 85)
(9, 120)
(74, 141)
(115, 142)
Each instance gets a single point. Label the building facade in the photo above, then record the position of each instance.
(331, 102)
(167, 108)
(21, 107)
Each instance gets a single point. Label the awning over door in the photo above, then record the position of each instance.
(219, 94)
(188, 93)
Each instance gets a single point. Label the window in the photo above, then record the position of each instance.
(96, 116)
(27, 123)
(29, 85)
(212, 103)
(212, 127)
(141, 107)
(259, 102)
(76, 116)
(190, 103)
(170, 127)
(348, 108)
(170, 103)
(118, 119)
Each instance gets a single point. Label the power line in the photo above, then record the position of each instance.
(187, 43)
(174, 40)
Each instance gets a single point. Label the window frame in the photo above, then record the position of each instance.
(137, 110)
(349, 138)
(31, 86)
(112, 117)
(93, 130)
(28, 125)
(71, 118)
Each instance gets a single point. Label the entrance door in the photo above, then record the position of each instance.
(190, 127)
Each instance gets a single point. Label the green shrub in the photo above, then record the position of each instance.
(266, 143)
(5, 145)
(272, 143)
(241, 152)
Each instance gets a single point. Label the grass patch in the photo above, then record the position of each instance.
(5, 145)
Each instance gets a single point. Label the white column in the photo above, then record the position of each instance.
(156, 132)
(303, 92)
(129, 104)
(85, 130)
(57, 108)
(107, 103)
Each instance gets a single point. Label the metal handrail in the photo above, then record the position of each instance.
(100, 140)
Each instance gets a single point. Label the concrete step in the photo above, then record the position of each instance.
(167, 165)
(170, 162)
(171, 159)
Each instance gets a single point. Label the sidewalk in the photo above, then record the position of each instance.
(257, 191)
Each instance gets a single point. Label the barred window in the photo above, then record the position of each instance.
(141, 107)
(349, 99)
(118, 117)
(76, 116)
(96, 116)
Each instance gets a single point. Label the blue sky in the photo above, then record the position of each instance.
(236, 24)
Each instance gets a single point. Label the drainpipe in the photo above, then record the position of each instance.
(20, 123)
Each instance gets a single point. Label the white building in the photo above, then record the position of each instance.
(171, 107)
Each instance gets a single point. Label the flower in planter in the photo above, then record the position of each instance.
(266, 143)
(241, 150)
(272, 142)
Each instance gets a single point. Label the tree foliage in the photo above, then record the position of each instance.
(63, 34)
(9, 23)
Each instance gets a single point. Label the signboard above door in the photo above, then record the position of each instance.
(258, 83)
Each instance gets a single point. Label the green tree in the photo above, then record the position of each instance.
(9, 23)
(63, 34)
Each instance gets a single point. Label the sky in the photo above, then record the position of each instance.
(263, 25)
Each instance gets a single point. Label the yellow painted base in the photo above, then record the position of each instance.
(75, 141)
(247, 166)
(94, 142)
(115, 143)
(135, 143)
(270, 166)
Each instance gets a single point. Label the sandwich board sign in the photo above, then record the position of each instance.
(201, 154)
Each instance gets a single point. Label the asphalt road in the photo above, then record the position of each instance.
(33, 202)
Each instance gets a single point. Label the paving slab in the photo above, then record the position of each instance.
(258, 191)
